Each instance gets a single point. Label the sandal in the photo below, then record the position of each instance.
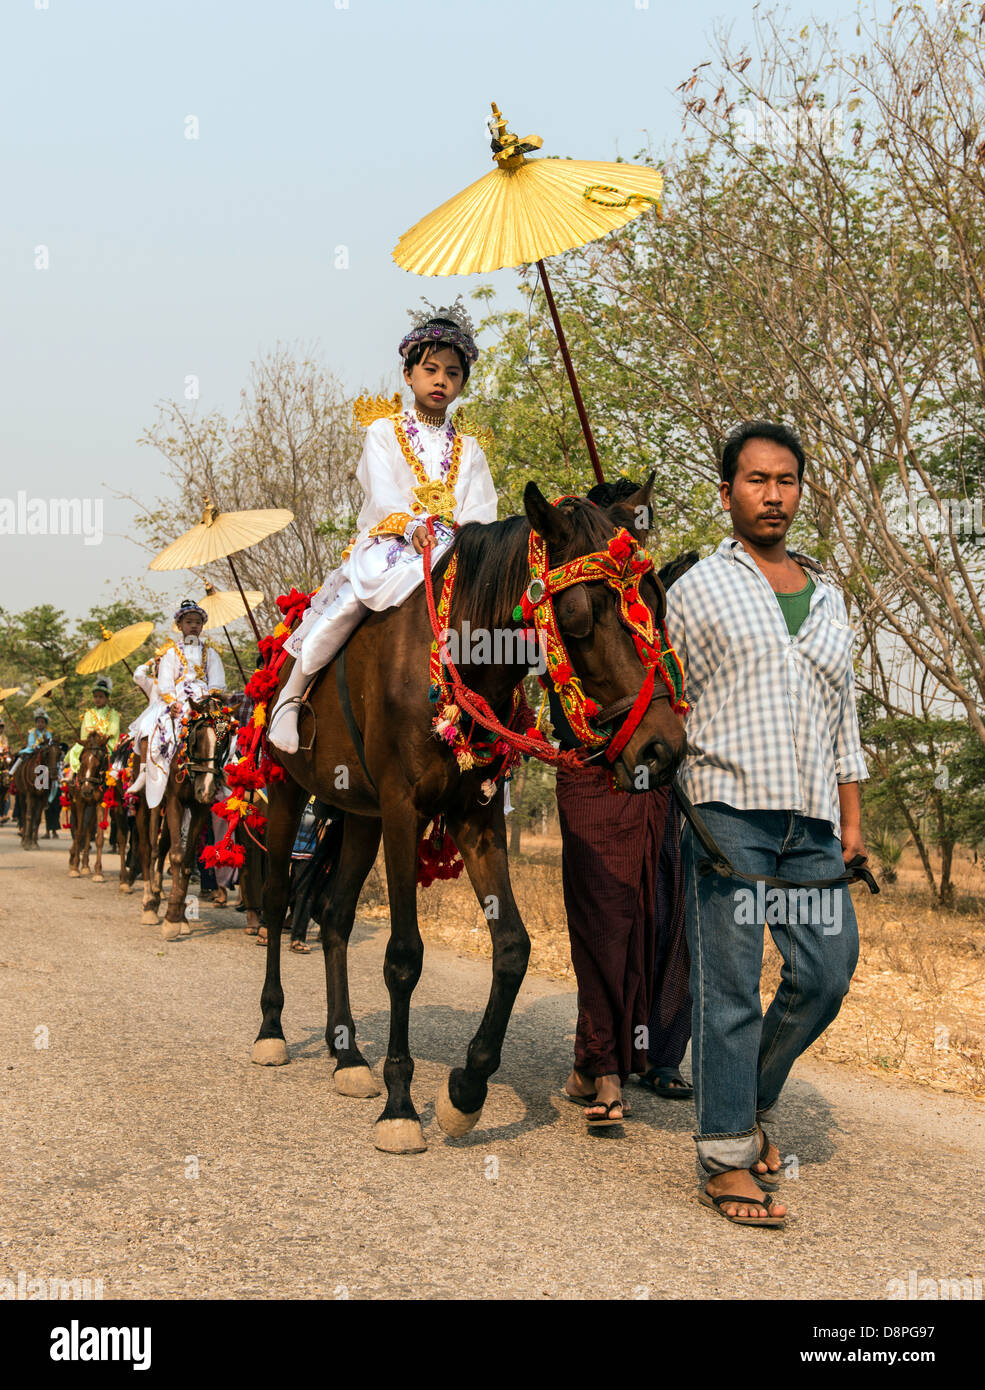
(660, 1081)
(718, 1203)
(301, 947)
(768, 1179)
(608, 1118)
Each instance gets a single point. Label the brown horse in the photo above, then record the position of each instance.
(86, 792)
(194, 782)
(33, 780)
(403, 777)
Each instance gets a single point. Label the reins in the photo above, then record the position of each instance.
(718, 862)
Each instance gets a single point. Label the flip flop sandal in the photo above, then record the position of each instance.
(718, 1204)
(301, 948)
(598, 1121)
(577, 1100)
(767, 1179)
(657, 1080)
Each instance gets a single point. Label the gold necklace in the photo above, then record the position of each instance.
(426, 418)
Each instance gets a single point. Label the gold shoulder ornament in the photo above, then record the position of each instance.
(369, 408)
(483, 436)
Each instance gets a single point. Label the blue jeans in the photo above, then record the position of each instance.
(740, 1060)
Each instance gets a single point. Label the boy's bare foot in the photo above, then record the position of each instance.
(742, 1183)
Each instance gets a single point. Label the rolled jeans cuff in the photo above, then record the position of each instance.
(720, 1153)
(767, 1116)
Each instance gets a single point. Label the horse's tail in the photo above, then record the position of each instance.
(316, 887)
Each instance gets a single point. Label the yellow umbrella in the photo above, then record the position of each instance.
(9, 690)
(524, 210)
(218, 536)
(45, 688)
(114, 647)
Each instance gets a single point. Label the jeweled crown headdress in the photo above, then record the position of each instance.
(425, 329)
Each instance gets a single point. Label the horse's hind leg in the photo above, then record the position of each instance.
(398, 1130)
(360, 841)
(122, 846)
(285, 803)
(483, 848)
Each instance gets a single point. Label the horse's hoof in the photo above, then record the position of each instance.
(73, 873)
(148, 918)
(453, 1121)
(356, 1081)
(85, 870)
(399, 1137)
(270, 1052)
(98, 878)
(170, 931)
(125, 888)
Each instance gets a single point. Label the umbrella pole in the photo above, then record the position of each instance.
(235, 653)
(593, 453)
(249, 610)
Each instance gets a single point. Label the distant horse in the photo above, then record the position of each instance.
(86, 792)
(403, 777)
(33, 781)
(194, 781)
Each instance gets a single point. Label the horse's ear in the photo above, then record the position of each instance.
(548, 521)
(634, 512)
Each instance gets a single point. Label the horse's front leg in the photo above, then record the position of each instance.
(85, 835)
(148, 828)
(181, 861)
(285, 803)
(73, 854)
(482, 845)
(97, 873)
(398, 1130)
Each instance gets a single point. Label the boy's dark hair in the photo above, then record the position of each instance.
(760, 429)
(419, 352)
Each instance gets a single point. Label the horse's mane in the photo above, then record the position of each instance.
(492, 562)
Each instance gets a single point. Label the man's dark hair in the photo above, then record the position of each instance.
(419, 352)
(604, 494)
(760, 429)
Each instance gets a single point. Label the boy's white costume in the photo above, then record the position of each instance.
(381, 567)
(145, 679)
(190, 668)
(409, 471)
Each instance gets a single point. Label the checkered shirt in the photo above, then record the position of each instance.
(773, 724)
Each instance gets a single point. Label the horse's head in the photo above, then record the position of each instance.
(210, 729)
(93, 765)
(593, 618)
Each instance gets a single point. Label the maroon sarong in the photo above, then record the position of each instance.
(609, 864)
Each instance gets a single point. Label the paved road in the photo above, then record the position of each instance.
(146, 1080)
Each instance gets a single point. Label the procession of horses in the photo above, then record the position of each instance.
(368, 749)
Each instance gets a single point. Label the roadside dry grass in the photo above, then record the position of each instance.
(916, 1010)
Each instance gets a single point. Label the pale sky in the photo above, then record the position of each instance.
(321, 123)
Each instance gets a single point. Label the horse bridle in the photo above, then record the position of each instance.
(195, 767)
(102, 767)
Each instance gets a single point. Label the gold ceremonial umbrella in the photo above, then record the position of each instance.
(218, 536)
(114, 647)
(525, 210)
(45, 688)
(225, 606)
(9, 690)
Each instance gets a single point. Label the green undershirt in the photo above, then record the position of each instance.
(795, 607)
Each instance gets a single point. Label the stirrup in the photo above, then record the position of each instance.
(300, 701)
